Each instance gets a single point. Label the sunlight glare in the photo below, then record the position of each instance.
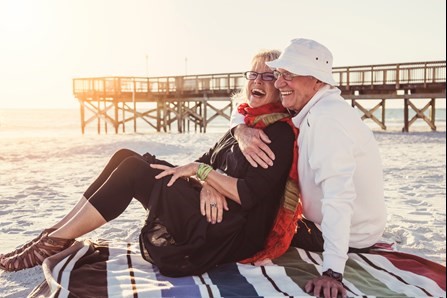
(17, 16)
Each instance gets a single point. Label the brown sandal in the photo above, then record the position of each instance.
(36, 253)
(28, 244)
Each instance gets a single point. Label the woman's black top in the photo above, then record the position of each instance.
(179, 239)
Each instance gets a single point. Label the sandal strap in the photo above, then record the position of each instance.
(28, 244)
(37, 253)
(48, 246)
(21, 261)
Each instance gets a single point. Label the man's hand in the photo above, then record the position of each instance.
(212, 204)
(324, 286)
(252, 142)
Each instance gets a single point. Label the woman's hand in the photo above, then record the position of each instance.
(212, 204)
(176, 172)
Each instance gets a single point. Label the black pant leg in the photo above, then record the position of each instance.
(113, 163)
(308, 236)
(132, 178)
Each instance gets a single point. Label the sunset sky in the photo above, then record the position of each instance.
(44, 44)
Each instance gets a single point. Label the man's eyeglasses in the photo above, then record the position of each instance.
(265, 76)
(285, 75)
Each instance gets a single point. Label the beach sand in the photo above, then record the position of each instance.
(43, 175)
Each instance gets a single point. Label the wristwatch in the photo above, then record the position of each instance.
(335, 275)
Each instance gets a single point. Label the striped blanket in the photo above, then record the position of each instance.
(111, 269)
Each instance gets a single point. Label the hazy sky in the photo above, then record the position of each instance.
(44, 44)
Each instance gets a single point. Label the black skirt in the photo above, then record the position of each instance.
(180, 241)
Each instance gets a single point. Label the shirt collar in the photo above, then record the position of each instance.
(323, 92)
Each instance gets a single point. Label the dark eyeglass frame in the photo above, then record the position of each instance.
(286, 76)
(265, 76)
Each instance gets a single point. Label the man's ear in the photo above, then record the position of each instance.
(318, 84)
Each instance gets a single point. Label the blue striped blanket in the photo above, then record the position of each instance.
(115, 269)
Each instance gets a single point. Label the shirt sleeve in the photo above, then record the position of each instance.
(260, 183)
(236, 118)
(332, 158)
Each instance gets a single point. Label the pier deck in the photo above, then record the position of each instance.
(196, 100)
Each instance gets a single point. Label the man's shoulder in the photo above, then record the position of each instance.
(330, 103)
(335, 108)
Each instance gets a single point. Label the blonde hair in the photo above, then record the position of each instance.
(261, 57)
(265, 56)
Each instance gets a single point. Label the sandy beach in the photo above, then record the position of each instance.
(44, 172)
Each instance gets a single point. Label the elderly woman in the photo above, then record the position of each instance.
(225, 215)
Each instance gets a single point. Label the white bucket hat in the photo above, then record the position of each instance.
(306, 57)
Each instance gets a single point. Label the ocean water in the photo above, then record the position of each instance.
(15, 122)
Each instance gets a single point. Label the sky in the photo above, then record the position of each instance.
(44, 44)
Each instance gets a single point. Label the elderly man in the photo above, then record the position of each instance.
(339, 166)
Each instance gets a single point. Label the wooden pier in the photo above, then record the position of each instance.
(194, 101)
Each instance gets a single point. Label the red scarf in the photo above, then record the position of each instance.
(290, 210)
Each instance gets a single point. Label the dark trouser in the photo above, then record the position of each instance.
(310, 238)
(127, 175)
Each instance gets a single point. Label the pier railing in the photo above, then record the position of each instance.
(367, 75)
(168, 86)
(406, 81)
(391, 74)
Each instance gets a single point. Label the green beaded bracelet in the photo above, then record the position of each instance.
(203, 171)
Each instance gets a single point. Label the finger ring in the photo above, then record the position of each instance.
(213, 205)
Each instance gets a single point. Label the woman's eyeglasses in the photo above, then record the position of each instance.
(285, 75)
(265, 76)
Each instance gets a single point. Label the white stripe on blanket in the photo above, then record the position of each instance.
(408, 282)
(124, 273)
